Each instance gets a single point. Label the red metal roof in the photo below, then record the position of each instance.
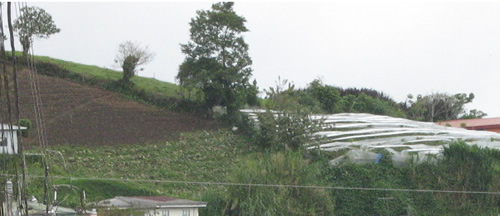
(472, 122)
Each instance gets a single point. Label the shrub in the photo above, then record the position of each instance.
(216, 203)
(25, 123)
(286, 129)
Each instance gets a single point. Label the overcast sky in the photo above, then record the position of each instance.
(398, 47)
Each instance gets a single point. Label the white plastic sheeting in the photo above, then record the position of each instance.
(405, 139)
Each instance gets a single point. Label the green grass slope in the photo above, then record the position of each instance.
(149, 85)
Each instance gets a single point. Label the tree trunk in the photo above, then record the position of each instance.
(26, 43)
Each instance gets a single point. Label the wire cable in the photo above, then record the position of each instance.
(273, 185)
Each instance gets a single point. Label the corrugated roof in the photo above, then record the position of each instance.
(14, 127)
(148, 202)
(114, 202)
(156, 198)
(472, 122)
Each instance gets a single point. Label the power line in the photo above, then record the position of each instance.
(271, 185)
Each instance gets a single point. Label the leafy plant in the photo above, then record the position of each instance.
(25, 123)
(286, 130)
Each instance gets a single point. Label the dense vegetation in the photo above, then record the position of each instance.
(318, 97)
(462, 168)
(322, 98)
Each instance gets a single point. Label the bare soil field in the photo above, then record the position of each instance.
(77, 114)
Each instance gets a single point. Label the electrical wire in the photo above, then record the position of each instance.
(274, 185)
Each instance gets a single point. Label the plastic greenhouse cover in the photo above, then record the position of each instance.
(405, 139)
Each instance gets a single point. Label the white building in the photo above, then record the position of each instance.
(153, 205)
(8, 138)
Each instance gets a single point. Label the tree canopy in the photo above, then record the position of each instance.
(33, 22)
(217, 60)
(129, 56)
(440, 106)
(321, 98)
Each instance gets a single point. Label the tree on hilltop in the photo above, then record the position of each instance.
(33, 22)
(217, 60)
(131, 55)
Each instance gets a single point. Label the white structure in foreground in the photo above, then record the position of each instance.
(361, 133)
(8, 138)
(153, 205)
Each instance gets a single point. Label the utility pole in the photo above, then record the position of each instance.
(46, 198)
(2, 44)
(9, 193)
(16, 92)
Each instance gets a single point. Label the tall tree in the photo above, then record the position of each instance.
(131, 55)
(217, 60)
(33, 22)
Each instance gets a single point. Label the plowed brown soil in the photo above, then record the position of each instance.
(84, 115)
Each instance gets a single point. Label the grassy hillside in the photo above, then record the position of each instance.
(150, 85)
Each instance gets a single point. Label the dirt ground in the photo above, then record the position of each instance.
(84, 115)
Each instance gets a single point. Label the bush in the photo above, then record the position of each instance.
(286, 130)
(327, 96)
(25, 123)
(216, 203)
